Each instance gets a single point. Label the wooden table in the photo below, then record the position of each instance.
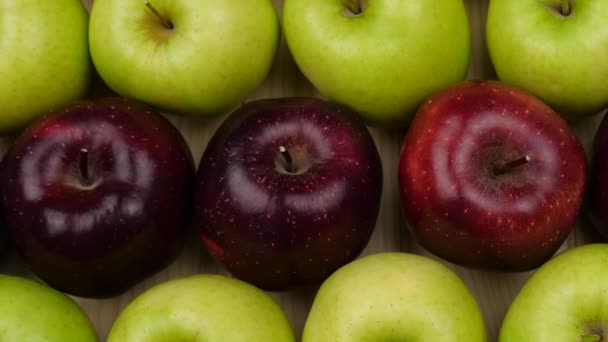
(494, 291)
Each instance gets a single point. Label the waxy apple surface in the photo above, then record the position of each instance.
(491, 177)
(197, 58)
(394, 297)
(564, 301)
(288, 191)
(202, 308)
(44, 58)
(382, 58)
(34, 312)
(98, 195)
(555, 49)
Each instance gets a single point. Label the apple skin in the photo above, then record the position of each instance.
(100, 237)
(382, 63)
(279, 230)
(559, 59)
(33, 312)
(459, 208)
(41, 68)
(596, 204)
(217, 52)
(562, 301)
(394, 297)
(202, 308)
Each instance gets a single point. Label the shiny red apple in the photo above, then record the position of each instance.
(490, 177)
(288, 191)
(596, 206)
(98, 195)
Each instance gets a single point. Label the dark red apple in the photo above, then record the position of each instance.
(596, 206)
(98, 195)
(288, 191)
(491, 177)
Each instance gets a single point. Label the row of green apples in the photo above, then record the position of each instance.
(383, 297)
(380, 58)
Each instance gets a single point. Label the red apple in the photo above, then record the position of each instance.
(98, 195)
(491, 177)
(288, 191)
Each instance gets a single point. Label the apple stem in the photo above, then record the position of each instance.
(288, 160)
(565, 10)
(353, 6)
(166, 22)
(590, 338)
(506, 167)
(85, 178)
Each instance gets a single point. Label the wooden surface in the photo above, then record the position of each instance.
(494, 291)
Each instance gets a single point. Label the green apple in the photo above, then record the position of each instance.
(202, 308)
(190, 57)
(382, 58)
(555, 49)
(44, 58)
(33, 312)
(394, 297)
(566, 300)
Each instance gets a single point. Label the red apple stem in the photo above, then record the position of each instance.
(353, 5)
(288, 160)
(508, 166)
(85, 178)
(166, 22)
(589, 338)
(565, 10)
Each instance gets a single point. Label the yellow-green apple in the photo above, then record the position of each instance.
(44, 58)
(189, 57)
(206, 308)
(556, 49)
(383, 57)
(394, 297)
(33, 312)
(564, 301)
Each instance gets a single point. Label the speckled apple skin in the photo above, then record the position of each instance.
(455, 204)
(279, 230)
(97, 240)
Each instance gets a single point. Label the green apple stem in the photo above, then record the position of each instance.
(288, 160)
(85, 178)
(353, 6)
(565, 7)
(508, 166)
(589, 338)
(166, 22)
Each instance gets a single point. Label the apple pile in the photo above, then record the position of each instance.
(98, 195)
